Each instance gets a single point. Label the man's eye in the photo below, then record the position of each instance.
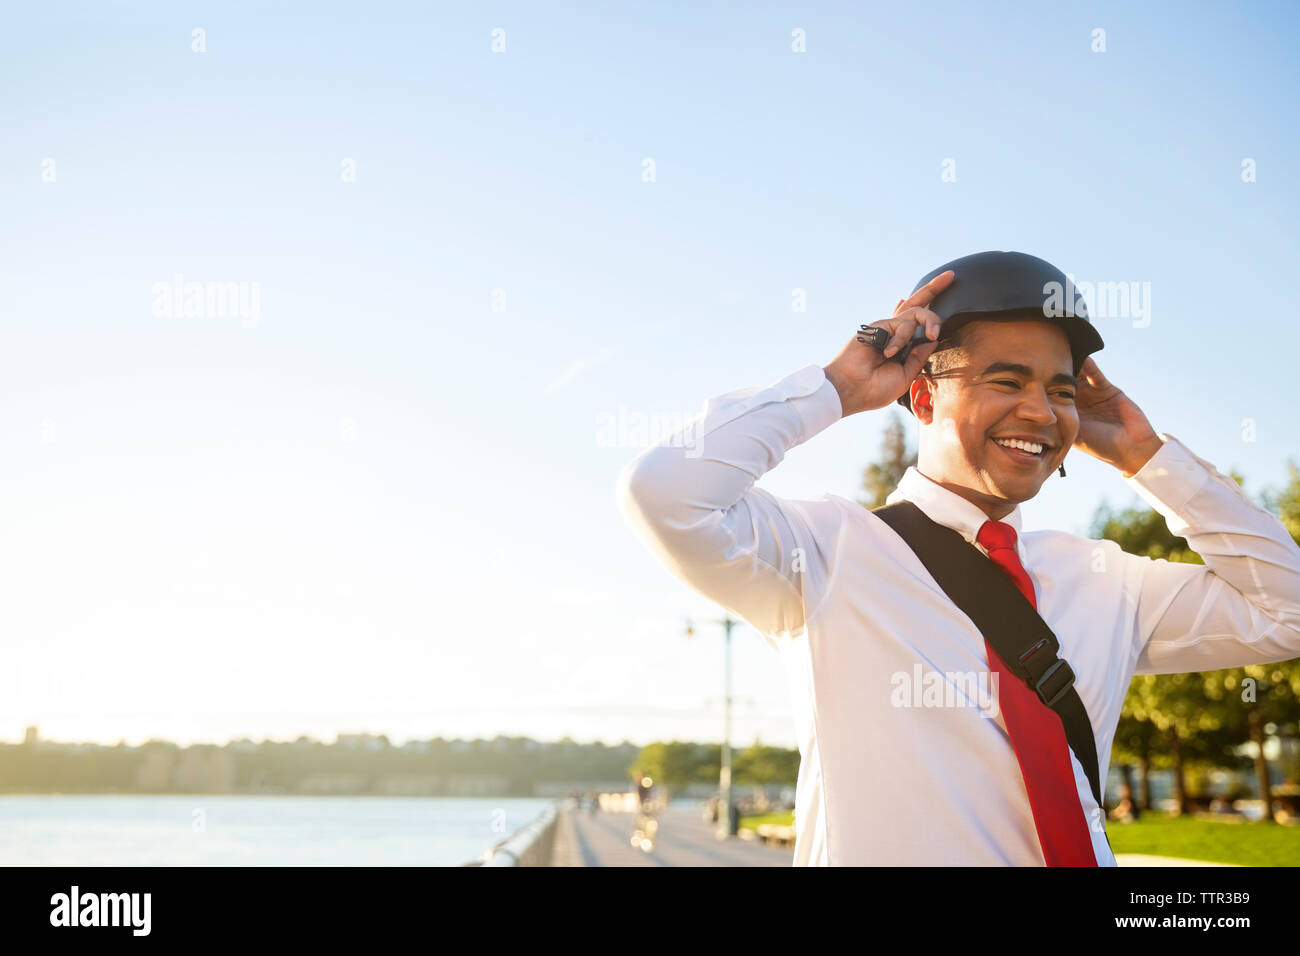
(1006, 381)
(1067, 395)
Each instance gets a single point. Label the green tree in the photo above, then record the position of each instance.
(1135, 743)
(757, 764)
(678, 763)
(1285, 502)
(882, 477)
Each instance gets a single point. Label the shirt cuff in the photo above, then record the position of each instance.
(818, 403)
(1171, 476)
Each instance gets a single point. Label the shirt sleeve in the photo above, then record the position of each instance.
(691, 500)
(1243, 605)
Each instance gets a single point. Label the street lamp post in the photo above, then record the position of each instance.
(727, 816)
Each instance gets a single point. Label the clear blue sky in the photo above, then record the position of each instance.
(384, 506)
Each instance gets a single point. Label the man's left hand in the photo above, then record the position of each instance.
(1111, 426)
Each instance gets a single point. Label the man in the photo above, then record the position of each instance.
(893, 776)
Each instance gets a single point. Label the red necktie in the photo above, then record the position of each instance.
(1037, 734)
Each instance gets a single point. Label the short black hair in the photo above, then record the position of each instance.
(944, 355)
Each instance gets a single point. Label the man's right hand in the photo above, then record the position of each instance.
(865, 378)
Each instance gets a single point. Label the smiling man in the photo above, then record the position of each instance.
(1006, 400)
(856, 601)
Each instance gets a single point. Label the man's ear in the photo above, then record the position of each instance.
(921, 395)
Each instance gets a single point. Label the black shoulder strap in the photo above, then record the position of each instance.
(1011, 625)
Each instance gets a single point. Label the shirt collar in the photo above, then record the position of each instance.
(946, 507)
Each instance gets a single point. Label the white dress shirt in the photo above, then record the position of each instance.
(854, 616)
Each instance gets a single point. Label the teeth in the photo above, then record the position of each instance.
(1031, 447)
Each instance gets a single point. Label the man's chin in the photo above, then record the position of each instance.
(1014, 489)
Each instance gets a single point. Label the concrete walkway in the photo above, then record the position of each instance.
(683, 838)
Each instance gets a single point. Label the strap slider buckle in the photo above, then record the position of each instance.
(1057, 690)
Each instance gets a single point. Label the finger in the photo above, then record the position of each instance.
(927, 292)
(1092, 375)
(928, 319)
(915, 359)
(904, 326)
(919, 316)
(915, 362)
(898, 308)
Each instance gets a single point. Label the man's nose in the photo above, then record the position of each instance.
(1035, 406)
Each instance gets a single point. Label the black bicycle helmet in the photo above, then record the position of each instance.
(1008, 285)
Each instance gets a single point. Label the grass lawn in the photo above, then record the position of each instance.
(1245, 844)
(785, 819)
